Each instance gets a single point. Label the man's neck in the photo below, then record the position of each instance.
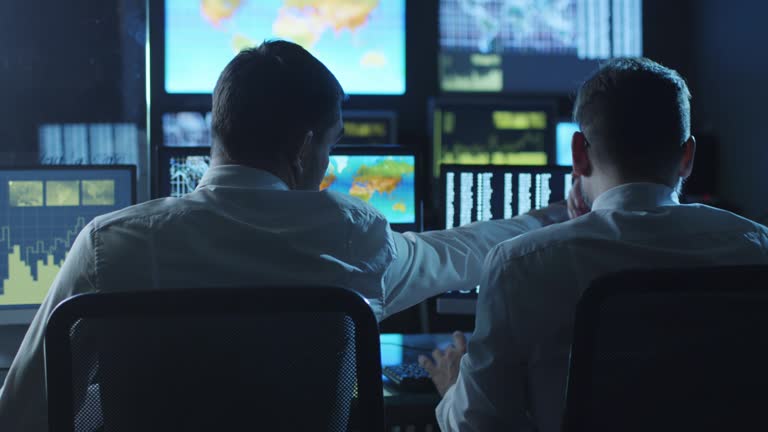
(283, 173)
(607, 183)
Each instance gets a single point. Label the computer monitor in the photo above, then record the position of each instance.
(469, 132)
(193, 128)
(89, 144)
(480, 193)
(361, 42)
(369, 128)
(533, 46)
(181, 169)
(187, 129)
(565, 131)
(383, 176)
(42, 210)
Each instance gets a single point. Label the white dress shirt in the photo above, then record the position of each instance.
(514, 374)
(243, 227)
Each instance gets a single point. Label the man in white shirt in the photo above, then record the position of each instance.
(634, 148)
(258, 218)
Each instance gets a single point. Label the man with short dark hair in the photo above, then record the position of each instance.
(258, 217)
(634, 149)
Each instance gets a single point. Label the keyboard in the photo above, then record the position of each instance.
(409, 377)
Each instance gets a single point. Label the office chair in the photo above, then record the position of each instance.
(671, 350)
(277, 358)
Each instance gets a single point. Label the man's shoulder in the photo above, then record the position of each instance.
(148, 212)
(602, 226)
(353, 209)
(549, 237)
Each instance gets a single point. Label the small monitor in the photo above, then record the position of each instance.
(361, 42)
(42, 210)
(181, 169)
(467, 132)
(384, 177)
(533, 46)
(193, 128)
(565, 131)
(369, 128)
(481, 193)
(187, 129)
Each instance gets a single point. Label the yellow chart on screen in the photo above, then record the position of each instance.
(21, 287)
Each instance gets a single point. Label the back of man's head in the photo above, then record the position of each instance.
(636, 116)
(268, 98)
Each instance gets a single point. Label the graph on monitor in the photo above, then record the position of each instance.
(186, 172)
(532, 45)
(387, 182)
(361, 41)
(492, 134)
(41, 213)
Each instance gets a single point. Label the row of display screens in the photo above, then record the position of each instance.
(463, 133)
(43, 209)
(485, 46)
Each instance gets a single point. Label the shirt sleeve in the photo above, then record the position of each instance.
(490, 393)
(431, 263)
(23, 403)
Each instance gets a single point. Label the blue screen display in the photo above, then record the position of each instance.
(565, 133)
(361, 41)
(385, 182)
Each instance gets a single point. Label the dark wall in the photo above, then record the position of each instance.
(730, 93)
(65, 62)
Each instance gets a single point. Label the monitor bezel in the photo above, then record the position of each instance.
(24, 314)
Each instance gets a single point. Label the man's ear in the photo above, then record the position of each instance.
(689, 154)
(301, 155)
(582, 166)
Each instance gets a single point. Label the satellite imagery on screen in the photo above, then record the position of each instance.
(532, 45)
(361, 41)
(385, 182)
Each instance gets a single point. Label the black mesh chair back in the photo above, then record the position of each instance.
(673, 350)
(295, 359)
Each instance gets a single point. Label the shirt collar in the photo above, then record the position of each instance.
(636, 196)
(241, 177)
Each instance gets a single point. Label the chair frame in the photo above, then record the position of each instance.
(642, 281)
(248, 301)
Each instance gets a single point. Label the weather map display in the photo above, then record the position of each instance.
(361, 41)
(385, 182)
(492, 134)
(41, 213)
(532, 45)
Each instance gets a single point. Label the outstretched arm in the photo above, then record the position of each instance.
(431, 263)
